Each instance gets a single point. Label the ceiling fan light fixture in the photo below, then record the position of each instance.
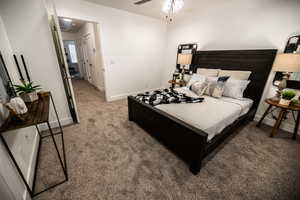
(172, 6)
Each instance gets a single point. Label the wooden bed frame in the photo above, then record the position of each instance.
(186, 141)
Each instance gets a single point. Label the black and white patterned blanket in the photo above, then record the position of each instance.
(166, 96)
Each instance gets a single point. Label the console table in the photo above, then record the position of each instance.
(38, 113)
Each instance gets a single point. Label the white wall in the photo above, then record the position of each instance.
(133, 46)
(24, 29)
(29, 34)
(234, 24)
(22, 142)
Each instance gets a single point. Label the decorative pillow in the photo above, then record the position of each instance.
(235, 88)
(219, 88)
(208, 72)
(211, 82)
(195, 78)
(238, 75)
(199, 88)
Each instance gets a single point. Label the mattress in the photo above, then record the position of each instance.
(210, 116)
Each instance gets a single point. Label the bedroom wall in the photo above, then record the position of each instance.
(29, 34)
(133, 46)
(234, 24)
(24, 29)
(21, 142)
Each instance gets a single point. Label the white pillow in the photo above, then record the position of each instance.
(238, 75)
(235, 88)
(199, 88)
(208, 72)
(195, 78)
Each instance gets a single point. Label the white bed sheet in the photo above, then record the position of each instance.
(212, 115)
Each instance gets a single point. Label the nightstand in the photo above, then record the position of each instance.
(180, 83)
(283, 111)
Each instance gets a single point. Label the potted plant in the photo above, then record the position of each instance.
(286, 97)
(27, 91)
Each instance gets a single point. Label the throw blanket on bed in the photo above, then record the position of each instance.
(166, 96)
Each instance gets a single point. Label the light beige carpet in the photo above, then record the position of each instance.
(112, 158)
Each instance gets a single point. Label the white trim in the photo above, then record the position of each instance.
(31, 167)
(123, 96)
(284, 126)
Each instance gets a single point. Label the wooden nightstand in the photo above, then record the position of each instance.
(284, 110)
(180, 83)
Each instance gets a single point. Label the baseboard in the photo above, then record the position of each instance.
(31, 167)
(123, 96)
(54, 124)
(284, 126)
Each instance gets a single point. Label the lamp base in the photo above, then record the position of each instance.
(282, 84)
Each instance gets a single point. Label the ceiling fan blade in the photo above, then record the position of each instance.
(141, 2)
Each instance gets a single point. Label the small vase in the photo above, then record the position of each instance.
(30, 97)
(284, 102)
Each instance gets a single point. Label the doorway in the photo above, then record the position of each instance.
(83, 52)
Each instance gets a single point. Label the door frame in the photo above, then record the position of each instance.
(63, 66)
(98, 46)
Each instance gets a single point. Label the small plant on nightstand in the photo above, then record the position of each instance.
(286, 97)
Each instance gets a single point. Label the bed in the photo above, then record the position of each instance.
(177, 127)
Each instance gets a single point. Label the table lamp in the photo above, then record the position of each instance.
(184, 60)
(286, 63)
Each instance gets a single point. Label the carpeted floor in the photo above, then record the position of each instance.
(112, 158)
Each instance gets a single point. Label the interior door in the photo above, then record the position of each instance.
(90, 55)
(86, 60)
(64, 69)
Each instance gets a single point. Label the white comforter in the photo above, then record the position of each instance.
(212, 115)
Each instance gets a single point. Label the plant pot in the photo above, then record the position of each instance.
(284, 102)
(29, 97)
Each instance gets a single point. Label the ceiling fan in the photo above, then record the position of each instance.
(141, 2)
(169, 7)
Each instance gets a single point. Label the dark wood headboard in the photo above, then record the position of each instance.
(258, 61)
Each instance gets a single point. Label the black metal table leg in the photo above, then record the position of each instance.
(296, 126)
(62, 137)
(56, 148)
(16, 165)
(37, 158)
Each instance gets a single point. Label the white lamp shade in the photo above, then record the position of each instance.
(184, 59)
(287, 62)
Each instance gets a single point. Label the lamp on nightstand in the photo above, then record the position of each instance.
(184, 60)
(286, 63)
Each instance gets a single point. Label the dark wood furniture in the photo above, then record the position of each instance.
(186, 48)
(38, 113)
(284, 110)
(186, 141)
(181, 83)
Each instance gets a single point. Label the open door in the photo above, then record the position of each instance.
(64, 69)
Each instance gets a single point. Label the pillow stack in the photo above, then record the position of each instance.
(218, 83)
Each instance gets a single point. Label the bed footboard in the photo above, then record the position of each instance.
(184, 140)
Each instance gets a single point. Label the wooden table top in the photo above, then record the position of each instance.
(38, 112)
(276, 103)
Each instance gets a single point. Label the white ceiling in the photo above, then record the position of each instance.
(151, 9)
